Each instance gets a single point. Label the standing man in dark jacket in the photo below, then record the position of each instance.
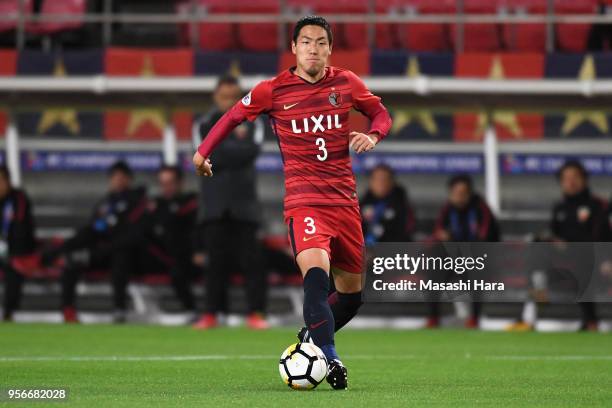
(16, 239)
(113, 238)
(385, 210)
(579, 217)
(170, 228)
(230, 212)
(465, 217)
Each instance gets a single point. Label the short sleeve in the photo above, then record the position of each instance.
(363, 99)
(257, 101)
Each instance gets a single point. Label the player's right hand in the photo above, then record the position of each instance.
(203, 166)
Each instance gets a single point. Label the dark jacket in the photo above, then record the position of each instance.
(17, 223)
(171, 223)
(580, 218)
(388, 219)
(232, 189)
(474, 223)
(117, 219)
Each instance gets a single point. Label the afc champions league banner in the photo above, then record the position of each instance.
(554, 272)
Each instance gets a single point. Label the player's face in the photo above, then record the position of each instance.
(169, 186)
(459, 195)
(312, 49)
(572, 181)
(381, 183)
(226, 96)
(119, 182)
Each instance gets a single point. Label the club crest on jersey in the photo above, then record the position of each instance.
(316, 124)
(246, 101)
(334, 99)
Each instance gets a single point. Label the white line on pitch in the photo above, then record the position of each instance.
(178, 358)
(213, 357)
(551, 358)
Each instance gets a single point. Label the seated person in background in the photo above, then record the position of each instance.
(171, 227)
(16, 239)
(579, 217)
(465, 217)
(112, 239)
(385, 209)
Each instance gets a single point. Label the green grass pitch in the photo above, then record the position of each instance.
(145, 366)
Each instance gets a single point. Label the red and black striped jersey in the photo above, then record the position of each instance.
(311, 123)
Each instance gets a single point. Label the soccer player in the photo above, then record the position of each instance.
(309, 108)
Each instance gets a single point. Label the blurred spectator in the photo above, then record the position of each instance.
(465, 217)
(17, 239)
(385, 209)
(170, 227)
(113, 238)
(600, 35)
(579, 217)
(230, 211)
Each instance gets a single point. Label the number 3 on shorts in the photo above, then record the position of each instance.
(311, 227)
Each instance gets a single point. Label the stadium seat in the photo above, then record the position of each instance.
(60, 8)
(257, 36)
(478, 37)
(573, 37)
(216, 36)
(348, 35)
(525, 36)
(8, 7)
(387, 34)
(426, 36)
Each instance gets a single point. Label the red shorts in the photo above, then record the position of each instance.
(334, 229)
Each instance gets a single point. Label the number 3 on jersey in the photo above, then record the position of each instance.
(321, 143)
(310, 224)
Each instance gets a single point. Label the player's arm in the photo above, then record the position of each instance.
(248, 108)
(368, 104)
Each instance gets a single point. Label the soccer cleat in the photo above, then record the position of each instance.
(337, 375)
(471, 323)
(256, 321)
(207, 321)
(304, 336)
(70, 315)
(519, 327)
(432, 323)
(119, 316)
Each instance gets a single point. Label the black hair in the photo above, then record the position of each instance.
(573, 164)
(5, 172)
(178, 173)
(312, 20)
(461, 179)
(383, 167)
(226, 80)
(121, 167)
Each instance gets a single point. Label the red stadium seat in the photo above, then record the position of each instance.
(426, 36)
(75, 8)
(257, 36)
(387, 34)
(8, 7)
(573, 37)
(216, 36)
(525, 36)
(349, 35)
(479, 37)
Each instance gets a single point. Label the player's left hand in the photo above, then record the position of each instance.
(361, 142)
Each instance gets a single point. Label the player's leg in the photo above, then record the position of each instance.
(12, 292)
(318, 316)
(346, 300)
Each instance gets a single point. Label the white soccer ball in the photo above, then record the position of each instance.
(303, 366)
